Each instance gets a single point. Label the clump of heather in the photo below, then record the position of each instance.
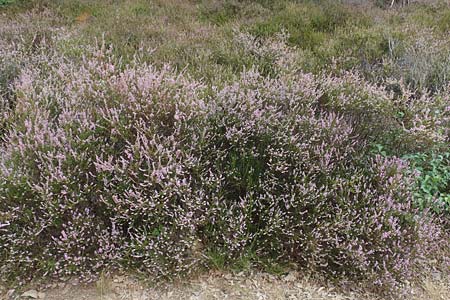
(105, 164)
(292, 181)
(93, 169)
(272, 55)
(401, 120)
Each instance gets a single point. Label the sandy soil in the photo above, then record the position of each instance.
(257, 286)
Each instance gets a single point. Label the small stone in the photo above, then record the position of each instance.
(61, 285)
(437, 276)
(74, 282)
(119, 279)
(291, 277)
(30, 294)
(41, 295)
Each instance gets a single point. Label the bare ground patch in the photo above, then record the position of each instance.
(258, 286)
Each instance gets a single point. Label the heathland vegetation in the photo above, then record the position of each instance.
(167, 137)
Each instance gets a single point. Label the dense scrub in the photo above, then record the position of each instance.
(283, 152)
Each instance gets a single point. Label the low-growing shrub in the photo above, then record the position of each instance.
(292, 182)
(424, 64)
(68, 191)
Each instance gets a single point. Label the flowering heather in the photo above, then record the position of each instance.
(105, 164)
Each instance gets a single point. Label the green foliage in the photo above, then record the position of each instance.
(433, 16)
(5, 2)
(444, 21)
(309, 24)
(221, 12)
(432, 173)
(433, 180)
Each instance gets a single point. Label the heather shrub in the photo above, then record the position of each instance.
(418, 57)
(402, 124)
(271, 56)
(291, 182)
(400, 118)
(110, 163)
(423, 63)
(357, 48)
(92, 170)
(398, 47)
(228, 58)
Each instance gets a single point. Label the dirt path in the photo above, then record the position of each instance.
(258, 286)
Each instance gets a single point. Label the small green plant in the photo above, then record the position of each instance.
(5, 2)
(378, 149)
(216, 259)
(433, 180)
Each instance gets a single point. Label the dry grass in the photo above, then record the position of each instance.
(435, 290)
